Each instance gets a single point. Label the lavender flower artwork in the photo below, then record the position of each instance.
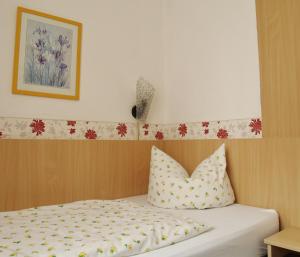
(48, 55)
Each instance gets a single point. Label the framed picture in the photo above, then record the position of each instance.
(47, 55)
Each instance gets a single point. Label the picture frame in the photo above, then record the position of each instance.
(47, 55)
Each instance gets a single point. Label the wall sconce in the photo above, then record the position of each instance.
(144, 95)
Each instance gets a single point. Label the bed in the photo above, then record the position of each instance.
(238, 231)
(78, 230)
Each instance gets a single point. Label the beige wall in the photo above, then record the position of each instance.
(211, 67)
(121, 41)
(177, 45)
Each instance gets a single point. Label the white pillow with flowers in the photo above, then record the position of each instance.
(170, 186)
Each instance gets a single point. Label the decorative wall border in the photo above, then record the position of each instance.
(244, 128)
(21, 128)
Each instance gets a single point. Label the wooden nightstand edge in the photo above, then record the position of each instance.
(280, 239)
(282, 245)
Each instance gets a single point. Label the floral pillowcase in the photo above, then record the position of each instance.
(170, 186)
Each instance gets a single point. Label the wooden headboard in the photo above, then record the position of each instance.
(39, 172)
(264, 172)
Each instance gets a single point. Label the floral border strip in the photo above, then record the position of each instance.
(20, 128)
(245, 128)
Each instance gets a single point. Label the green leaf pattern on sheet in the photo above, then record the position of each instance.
(91, 228)
(170, 186)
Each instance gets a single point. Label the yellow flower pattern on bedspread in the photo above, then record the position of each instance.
(91, 228)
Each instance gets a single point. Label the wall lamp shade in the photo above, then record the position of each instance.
(144, 95)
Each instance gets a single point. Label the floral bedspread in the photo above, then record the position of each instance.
(91, 228)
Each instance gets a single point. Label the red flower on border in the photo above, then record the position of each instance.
(206, 131)
(146, 126)
(90, 134)
(159, 135)
(255, 126)
(38, 127)
(1, 134)
(72, 131)
(71, 123)
(146, 132)
(222, 133)
(205, 124)
(182, 129)
(122, 129)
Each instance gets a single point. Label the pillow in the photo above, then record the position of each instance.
(170, 186)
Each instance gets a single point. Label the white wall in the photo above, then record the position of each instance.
(211, 68)
(121, 41)
(201, 55)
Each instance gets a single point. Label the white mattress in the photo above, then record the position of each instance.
(238, 231)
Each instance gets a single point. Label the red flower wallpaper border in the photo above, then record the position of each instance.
(244, 128)
(21, 128)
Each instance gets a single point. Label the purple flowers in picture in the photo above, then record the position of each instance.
(48, 55)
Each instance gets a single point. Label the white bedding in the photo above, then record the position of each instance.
(238, 231)
(92, 228)
(86, 229)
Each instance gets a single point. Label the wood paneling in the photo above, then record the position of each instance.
(40, 172)
(264, 172)
(279, 49)
(274, 163)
